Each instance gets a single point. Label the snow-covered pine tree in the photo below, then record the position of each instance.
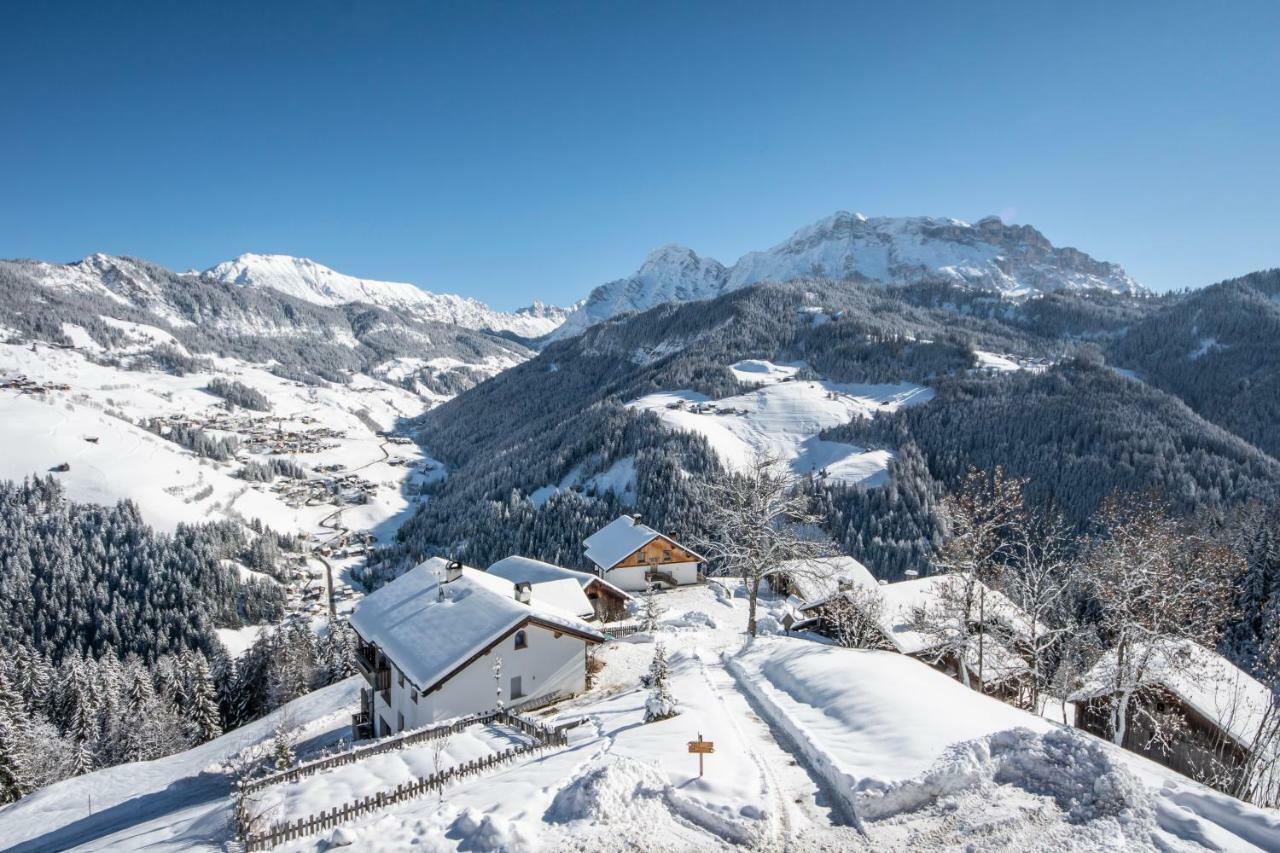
(204, 702)
(14, 781)
(282, 756)
(650, 611)
(661, 704)
(140, 709)
(82, 720)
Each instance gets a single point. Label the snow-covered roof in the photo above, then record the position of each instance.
(1205, 680)
(428, 636)
(619, 539)
(901, 600)
(816, 581)
(517, 569)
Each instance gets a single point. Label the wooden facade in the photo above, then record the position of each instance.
(657, 552)
(1200, 746)
(609, 604)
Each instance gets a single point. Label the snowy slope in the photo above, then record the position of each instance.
(817, 748)
(927, 762)
(784, 417)
(1015, 260)
(181, 802)
(312, 282)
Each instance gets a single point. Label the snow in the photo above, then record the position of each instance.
(752, 371)
(993, 361)
(305, 279)
(821, 579)
(427, 634)
(784, 418)
(1015, 261)
(919, 757)
(1207, 345)
(618, 540)
(315, 794)
(817, 748)
(517, 569)
(619, 478)
(181, 802)
(170, 484)
(238, 640)
(1206, 681)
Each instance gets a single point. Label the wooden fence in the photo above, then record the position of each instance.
(543, 736)
(616, 631)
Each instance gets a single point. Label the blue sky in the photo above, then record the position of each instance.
(526, 150)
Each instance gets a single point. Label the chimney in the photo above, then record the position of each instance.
(453, 571)
(524, 592)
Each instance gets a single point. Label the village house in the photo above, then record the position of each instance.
(608, 602)
(1227, 719)
(427, 643)
(632, 556)
(997, 659)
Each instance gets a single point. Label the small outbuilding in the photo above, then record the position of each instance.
(608, 602)
(1227, 716)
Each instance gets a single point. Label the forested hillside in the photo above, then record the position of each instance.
(1216, 349)
(1080, 431)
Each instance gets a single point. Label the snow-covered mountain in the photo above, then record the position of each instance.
(1016, 260)
(305, 279)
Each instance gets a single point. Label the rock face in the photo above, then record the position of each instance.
(305, 279)
(1016, 260)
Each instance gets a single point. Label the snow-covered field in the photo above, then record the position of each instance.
(84, 423)
(784, 416)
(816, 748)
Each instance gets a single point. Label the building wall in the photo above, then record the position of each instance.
(548, 664)
(1201, 745)
(632, 578)
(609, 606)
(658, 552)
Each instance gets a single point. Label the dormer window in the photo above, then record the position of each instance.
(522, 640)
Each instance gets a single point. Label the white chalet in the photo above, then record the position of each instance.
(631, 556)
(427, 643)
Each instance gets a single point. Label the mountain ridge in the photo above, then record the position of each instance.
(311, 281)
(1012, 260)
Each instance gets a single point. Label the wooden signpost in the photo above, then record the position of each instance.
(700, 748)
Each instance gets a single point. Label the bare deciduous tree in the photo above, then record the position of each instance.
(1156, 586)
(853, 617)
(757, 521)
(1038, 578)
(980, 517)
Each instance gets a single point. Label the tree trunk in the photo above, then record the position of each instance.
(1120, 719)
(753, 592)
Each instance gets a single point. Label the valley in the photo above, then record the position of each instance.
(318, 436)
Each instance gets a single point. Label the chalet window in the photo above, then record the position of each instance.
(399, 721)
(522, 640)
(517, 689)
(666, 556)
(400, 679)
(414, 694)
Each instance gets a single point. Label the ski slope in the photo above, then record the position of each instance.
(784, 416)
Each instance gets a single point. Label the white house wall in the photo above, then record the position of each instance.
(632, 578)
(548, 664)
